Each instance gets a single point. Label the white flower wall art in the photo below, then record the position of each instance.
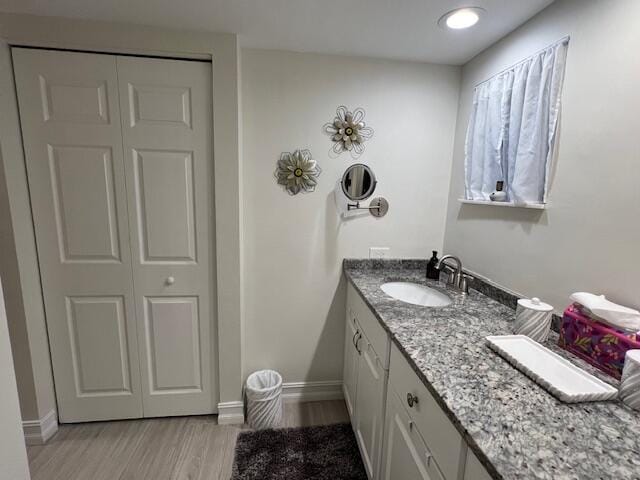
(297, 172)
(348, 131)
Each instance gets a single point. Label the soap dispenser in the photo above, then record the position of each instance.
(432, 267)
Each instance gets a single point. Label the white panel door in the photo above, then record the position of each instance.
(369, 408)
(73, 144)
(167, 131)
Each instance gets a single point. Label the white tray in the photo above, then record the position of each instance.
(548, 369)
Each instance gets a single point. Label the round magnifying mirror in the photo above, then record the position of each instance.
(358, 182)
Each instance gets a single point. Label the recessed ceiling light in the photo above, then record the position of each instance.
(461, 18)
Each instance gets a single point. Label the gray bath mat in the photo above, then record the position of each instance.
(306, 453)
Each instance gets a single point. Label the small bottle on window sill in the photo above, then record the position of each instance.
(499, 195)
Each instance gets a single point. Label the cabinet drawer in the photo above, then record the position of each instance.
(369, 324)
(439, 434)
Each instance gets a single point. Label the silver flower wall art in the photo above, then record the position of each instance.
(348, 131)
(297, 172)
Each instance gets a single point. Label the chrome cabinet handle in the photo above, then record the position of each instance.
(428, 456)
(170, 280)
(357, 342)
(411, 400)
(353, 340)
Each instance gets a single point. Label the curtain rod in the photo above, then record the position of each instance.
(564, 39)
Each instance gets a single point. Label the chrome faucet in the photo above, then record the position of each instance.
(455, 277)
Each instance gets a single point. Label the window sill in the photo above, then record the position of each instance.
(535, 206)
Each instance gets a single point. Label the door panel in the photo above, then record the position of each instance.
(160, 105)
(164, 204)
(173, 334)
(99, 347)
(369, 406)
(74, 100)
(167, 125)
(73, 147)
(86, 219)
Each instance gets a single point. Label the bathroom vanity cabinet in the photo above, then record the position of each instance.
(401, 431)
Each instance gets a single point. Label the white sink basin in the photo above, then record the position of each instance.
(416, 294)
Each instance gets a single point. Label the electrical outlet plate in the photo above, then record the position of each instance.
(378, 252)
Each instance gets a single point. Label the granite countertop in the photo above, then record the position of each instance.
(516, 429)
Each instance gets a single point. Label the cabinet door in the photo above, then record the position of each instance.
(405, 455)
(474, 469)
(369, 409)
(437, 431)
(351, 357)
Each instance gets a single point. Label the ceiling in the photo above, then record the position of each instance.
(400, 29)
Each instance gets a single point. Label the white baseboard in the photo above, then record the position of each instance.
(312, 391)
(231, 413)
(37, 432)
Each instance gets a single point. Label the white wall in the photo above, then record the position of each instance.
(588, 237)
(13, 455)
(294, 246)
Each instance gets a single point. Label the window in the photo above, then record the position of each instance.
(512, 128)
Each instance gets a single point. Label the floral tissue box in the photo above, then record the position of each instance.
(602, 346)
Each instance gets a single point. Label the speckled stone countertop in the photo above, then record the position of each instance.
(517, 429)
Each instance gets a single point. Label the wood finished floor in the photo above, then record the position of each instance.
(157, 449)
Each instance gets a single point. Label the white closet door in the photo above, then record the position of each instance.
(167, 129)
(73, 144)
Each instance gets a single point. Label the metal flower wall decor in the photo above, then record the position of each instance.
(297, 172)
(348, 131)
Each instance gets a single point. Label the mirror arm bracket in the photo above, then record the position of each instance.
(378, 207)
(356, 206)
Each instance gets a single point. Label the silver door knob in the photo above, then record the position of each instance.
(170, 280)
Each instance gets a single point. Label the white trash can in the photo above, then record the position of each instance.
(264, 399)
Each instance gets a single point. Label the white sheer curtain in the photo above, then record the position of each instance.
(512, 128)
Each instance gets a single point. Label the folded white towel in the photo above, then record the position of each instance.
(615, 315)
